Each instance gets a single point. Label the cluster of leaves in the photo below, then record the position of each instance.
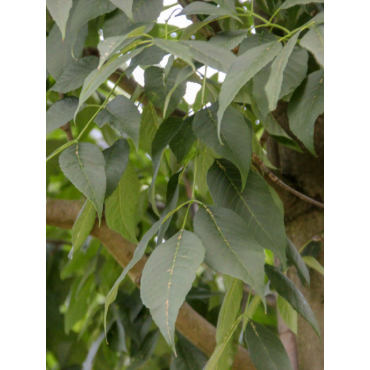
(154, 145)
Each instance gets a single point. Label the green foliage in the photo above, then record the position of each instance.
(190, 160)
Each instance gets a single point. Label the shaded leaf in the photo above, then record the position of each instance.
(117, 24)
(208, 9)
(306, 104)
(211, 55)
(60, 113)
(167, 278)
(59, 10)
(89, 361)
(313, 263)
(290, 292)
(230, 249)
(290, 3)
(295, 257)
(229, 39)
(255, 40)
(242, 70)
(84, 165)
(83, 225)
(120, 207)
(313, 41)
(125, 5)
(236, 135)
(288, 314)
(146, 11)
(254, 204)
(122, 115)
(74, 75)
(116, 160)
(150, 123)
(183, 140)
(204, 161)
(265, 348)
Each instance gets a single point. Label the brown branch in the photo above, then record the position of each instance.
(63, 213)
(282, 184)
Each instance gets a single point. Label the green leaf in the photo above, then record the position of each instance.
(313, 41)
(229, 39)
(230, 249)
(83, 225)
(117, 24)
(157, 89)
(265, 348)
(254, 204)
(208, 9)
(74, 75)
(255, 40)
(306, 104)
(116, 160)
(290, 3)
(146, 11)
(229, 312)
(167, 278)
(59, 10)
(167, 130)
(236, 135)
(60, 113)
(138, 254)
(150, 123)
(84, 165)
(275, 81)
(194, 27)
(242, 70)
(188, 357)
(122, 115)
(125, 5)
(176, 48)
(295, 257)
(120, 207)
(313, 263)
(204, 161)
(288, 314)
(290, 292)
(99, 75)
(89, 361)
(183, 140)
(211, 55)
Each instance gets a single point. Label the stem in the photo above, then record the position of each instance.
(204, 85)
(195, 172)
(181, 205)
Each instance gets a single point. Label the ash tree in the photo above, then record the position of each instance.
(185, 235)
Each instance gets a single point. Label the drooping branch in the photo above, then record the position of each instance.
(63, 213)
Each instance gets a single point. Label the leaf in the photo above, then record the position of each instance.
(291, 293)
(295, 257)
(254, 204)
(125, 5)
(138, 254)
(120, 207)
(265, 348)
(116, 160)
(175, 48)
(290, 3)
(167, 130)
(255, 40)
(188, 357)
(306, 104)
(242, 70)
(229, 312)
(150, 123)
(275, 81)
(313, 41)
(99, 75)
(122, 115)
(194, 27)
(60, 113)
(183, 140)
(313, 263)
(88, 363)
(230, 249)
(157, 89)
(59, 10)
(229, 39)
(117, 24)
(204, 161)
(208, 9)
(74, 75)
(211, 55)
(84, 165)
(167, 278)
(288, 314)
(83, 225)
(236, 134)
(146, 11)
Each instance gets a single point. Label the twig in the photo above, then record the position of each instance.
(282, 184)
